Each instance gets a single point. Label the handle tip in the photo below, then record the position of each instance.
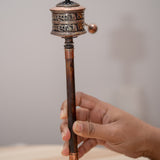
(73, 156)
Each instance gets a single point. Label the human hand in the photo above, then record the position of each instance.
(99, 123)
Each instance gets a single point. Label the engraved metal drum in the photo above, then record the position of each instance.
(68, 21)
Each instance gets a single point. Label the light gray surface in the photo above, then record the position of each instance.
(119, 64)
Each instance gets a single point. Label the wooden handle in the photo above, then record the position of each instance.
(71, 104)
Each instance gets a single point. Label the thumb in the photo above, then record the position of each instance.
(91, 130)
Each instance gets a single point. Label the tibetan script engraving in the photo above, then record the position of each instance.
(68, 17)
(65, 28)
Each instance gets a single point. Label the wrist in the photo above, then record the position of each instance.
(153, 141)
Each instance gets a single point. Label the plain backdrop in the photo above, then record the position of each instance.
(119, 64)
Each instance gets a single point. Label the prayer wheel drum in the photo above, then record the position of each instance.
(68, 20)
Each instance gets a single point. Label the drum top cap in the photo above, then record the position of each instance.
(67, 3)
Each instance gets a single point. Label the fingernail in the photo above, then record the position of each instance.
(78, 127)
(62, 114)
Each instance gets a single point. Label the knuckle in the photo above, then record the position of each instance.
(79, 93)
(79, 96)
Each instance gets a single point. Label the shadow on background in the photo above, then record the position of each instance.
(127, 47)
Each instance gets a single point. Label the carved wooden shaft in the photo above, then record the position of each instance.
(71, 104)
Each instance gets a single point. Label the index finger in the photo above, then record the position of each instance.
(85, 101)
(82, 100)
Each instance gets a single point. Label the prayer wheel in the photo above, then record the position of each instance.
(68, 22)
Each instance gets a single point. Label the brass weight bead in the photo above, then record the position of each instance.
(92, 28)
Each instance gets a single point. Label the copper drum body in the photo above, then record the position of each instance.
(68, 21)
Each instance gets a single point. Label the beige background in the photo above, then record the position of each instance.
(119, 64)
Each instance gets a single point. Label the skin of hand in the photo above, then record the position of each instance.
(99, 123)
